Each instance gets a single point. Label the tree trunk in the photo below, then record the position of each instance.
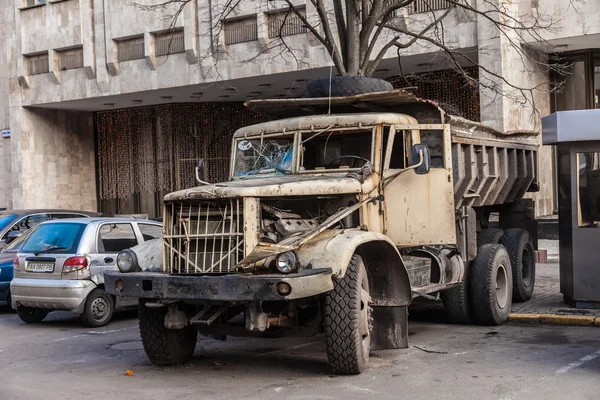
(353, 42)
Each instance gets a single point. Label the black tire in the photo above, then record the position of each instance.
(346, 86)
(31, 315)
(98, 309)
(347, 320)
(522, 259)
(456, 301)
(164, 346)
(489, 236)
(490, 286)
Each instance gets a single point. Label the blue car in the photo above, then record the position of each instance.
(7, 257)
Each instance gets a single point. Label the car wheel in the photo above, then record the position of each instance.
(31, 315)
(98, 310)
(347, 318)
(490, 286)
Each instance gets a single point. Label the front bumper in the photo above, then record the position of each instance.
(228, 288)
(51, 294)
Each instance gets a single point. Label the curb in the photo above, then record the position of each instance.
(556, 319)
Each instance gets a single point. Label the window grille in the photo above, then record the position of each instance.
(70, 59)
(422, 6)
(240, 30)
(285, 23)
(169, 43)
(130, 49)
(38, 64)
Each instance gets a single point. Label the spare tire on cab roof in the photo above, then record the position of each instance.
(342, 86)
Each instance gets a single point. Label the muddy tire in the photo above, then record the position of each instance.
(98, 309)
(490, 286)
(456, 301)
(489, 236)
(164, 346)
(347, 320)
(346, 86)
(522, 259)
(31, 315)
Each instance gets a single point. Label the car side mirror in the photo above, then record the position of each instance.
(12, 236)
(421, 156)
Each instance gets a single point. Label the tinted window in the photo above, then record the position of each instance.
(7, 219)
(29, 222)
(150, 232)
(116, 237)
(60, 237)
(63, 216)
(15, 245)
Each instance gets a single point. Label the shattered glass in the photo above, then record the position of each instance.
(269, 156)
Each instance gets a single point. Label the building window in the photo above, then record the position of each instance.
(70, 59)
(37, 64)
(32, 3)
(130, 49)
(286, 23)
(168, 43)
(422, 6)
(240, 30)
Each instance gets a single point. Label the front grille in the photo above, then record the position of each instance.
(203, 238)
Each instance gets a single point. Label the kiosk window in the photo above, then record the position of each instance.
(588, 165)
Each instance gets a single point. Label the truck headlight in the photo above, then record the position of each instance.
(286, 262)
(127, 261)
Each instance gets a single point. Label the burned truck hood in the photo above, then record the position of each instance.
(291, 185)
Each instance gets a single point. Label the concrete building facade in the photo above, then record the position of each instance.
(70, 66)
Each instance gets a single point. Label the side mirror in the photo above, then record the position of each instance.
(12, 236)
(200, 172)
(420, 155)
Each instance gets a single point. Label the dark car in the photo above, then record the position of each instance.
(14, 222)
(7, 258)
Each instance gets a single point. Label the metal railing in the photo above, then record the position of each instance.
(169, 44)
(38, 64)
(130, 49)
(71, 59)
(285, 24)
(422, 6)
(240, 31)
(204, 238)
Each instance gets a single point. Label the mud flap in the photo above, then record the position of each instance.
(390, 328)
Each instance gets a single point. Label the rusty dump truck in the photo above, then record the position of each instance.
(336, 215)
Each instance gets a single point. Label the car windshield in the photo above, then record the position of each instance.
(264, 156)
(60, 237)
(6, 219)
(16, 244)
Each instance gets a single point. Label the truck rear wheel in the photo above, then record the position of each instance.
(522, 259)
(490, 286)
(456, 301)
(489, 236)
(164, 346)
(347, 320)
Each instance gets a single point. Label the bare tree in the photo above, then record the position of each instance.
(359, 34)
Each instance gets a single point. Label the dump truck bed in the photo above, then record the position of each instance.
(490, 167)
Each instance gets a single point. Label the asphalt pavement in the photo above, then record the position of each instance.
(60, 359)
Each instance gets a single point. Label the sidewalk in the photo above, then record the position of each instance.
(546, 305)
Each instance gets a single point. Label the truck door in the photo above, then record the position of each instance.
(419, 209)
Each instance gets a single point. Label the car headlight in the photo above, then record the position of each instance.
(286, 262)
(127, 261)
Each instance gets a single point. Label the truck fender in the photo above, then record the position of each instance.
(388, 279)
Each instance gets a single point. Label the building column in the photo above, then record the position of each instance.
(503, 71)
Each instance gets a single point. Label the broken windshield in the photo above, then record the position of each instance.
(263, 156)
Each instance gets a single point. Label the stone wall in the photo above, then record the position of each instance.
(57, 160)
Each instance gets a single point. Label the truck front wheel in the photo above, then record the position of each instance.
(490, 286)
(347, 320)
(456, 301)
(164, 346)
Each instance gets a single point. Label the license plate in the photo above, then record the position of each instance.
(39, 267)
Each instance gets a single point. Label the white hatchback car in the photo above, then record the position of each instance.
(61, 267)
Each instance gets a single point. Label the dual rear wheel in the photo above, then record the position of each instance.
(502, 273)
